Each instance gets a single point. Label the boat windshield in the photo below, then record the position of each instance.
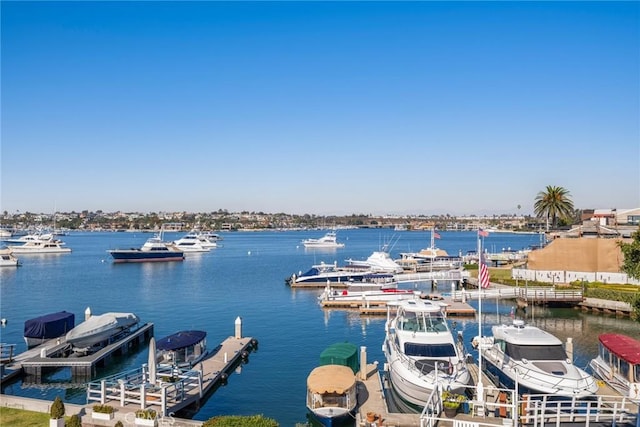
(429, 350)
(419, 322)
(535, 352)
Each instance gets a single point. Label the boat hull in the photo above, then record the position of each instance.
(338, 417)
(141, 256)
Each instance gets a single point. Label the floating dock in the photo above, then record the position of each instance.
(172, 389)
(56, 354)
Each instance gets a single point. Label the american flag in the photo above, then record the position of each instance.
(483, 233)
(436, 235)
(483, 275)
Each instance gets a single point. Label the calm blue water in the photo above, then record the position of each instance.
(245, 278)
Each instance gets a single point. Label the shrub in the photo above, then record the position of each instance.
(240, 421)
(74, 421)
(57, 409)
(119, 424)
(147, 414)
(103, 409)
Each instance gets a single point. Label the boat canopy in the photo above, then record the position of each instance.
(344, 353)
(331, 379)
(180, 340)
(51, 325)
(622, 346)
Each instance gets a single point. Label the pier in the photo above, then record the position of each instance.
(172, 389)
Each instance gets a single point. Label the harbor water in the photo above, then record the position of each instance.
(245, 278)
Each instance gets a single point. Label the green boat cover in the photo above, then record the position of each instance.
(343, 353)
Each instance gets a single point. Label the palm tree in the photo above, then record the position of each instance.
(552, 204)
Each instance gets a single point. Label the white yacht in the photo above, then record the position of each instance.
(195, 242)
(8, 259)
(422, 352)
(535, 359)
(48, 245)
(379, 261)
(328, 241)
(30, 238)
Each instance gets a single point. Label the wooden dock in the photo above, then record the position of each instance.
(173, 389)
(55, 357)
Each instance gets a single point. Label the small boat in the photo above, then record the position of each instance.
(376, 295)
(100, 328)
(182, 349)
(535, 359)
(332, 386)
(8, 259)
(48, 326)
(47, 245)
(618, 363)
(329, 240)
(153, 250)
(194, 242)
(422, 353)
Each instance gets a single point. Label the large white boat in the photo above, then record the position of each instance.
(421, 352)
(30, 238)
(377, 261)
(618, 363)
(48, 245)
(153, 250)
(323, 273)
(328, 241)
(8, 259)
(194, 242)
(535, 359)
(99, 328)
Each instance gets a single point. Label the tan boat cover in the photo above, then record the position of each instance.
(331, 379)
(581, 254)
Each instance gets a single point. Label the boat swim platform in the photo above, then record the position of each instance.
(54, 354)
(173, 389)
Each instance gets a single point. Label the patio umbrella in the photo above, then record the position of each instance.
(152, 360)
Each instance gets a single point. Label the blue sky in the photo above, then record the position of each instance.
(319, 107)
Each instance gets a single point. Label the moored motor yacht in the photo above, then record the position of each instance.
(322, 274)
(8, 259)
(378, 261)
(41, 246)
(194, 242)
(535, 360)
(421, 352)
(328, 241)
(153, 250)
(618, 363)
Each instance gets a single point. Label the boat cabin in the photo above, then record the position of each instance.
(622, 354)
(183, 349)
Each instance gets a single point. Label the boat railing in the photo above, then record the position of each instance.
(524, 373)
(170, 387)
(540, 410)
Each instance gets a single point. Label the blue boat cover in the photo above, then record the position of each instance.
(50, 325)
(180, 340)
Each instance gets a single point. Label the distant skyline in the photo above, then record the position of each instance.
(326, 108)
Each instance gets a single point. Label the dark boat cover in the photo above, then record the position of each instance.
(180, 340)
(343, 353)
(624, 347)
(50, 325)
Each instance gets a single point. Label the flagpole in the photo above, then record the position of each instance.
(480, 398)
